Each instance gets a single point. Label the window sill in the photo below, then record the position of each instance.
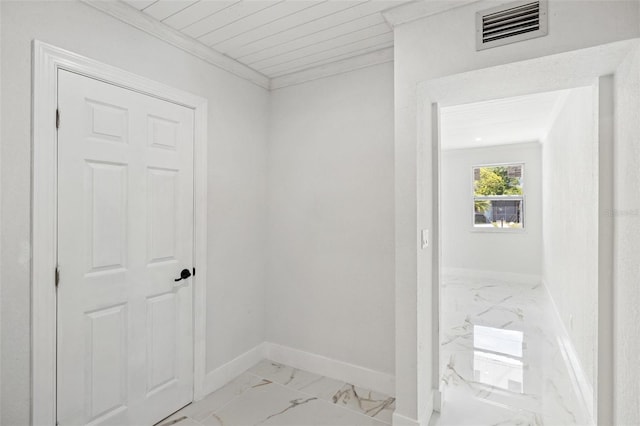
(499, 230)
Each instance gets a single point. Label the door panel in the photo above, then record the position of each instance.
(162, 206)
(106, 354)
(162, 313)
(106, 196)
(125, 231)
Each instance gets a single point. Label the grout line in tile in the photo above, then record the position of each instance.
(237, 396)
(330, 403)
(195, 421)
(295, 390)
(178, 420)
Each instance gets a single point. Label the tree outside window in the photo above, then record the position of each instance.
(498, 196)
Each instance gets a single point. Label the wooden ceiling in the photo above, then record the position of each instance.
(500, 121)
(282, 37)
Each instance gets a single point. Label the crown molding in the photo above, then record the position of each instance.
(135, 18)
(420, 9)
(333, 68)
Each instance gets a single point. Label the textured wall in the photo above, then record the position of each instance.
(570, 215)
(627, 242)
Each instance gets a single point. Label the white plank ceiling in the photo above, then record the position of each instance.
(279, 37)
(501, 121)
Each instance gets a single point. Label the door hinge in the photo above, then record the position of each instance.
(57, 118)
(57, 276)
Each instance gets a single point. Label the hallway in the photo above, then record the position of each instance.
(502, 359)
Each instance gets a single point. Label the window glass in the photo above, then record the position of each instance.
(498, 200)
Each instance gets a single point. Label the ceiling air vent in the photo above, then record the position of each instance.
(511, 23)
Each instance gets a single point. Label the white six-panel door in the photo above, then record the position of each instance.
(125, 232)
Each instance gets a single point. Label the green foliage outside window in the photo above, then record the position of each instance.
(496, 181)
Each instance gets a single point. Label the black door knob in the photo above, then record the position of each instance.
(184, 275)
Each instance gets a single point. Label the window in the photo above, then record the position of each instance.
(498, 198)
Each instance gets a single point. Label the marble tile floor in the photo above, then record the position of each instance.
(274, 394)
(501, 358)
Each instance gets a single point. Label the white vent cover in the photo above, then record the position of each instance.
(511, 23)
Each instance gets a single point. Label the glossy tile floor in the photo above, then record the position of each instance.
(275, 394)
(501, 358)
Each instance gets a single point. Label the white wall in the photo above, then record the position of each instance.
(437, 46)
(331, 269)
(626, 214)
(237, 172)
(0, 212)
(570, 221)
(464, 246)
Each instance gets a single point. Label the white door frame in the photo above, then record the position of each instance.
(585, 67)
(47, 60)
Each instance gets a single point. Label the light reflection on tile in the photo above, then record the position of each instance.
(508, 342)
(497, 370)
(460, 410)
(499, 355)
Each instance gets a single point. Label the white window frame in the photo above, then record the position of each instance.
(498, 197)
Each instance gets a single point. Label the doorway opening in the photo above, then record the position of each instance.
(519, 206)
(596, 67)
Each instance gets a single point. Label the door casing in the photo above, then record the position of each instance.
(47, 60)
(553, 72)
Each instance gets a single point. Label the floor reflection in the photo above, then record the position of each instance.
(500, 359)
(497, 357)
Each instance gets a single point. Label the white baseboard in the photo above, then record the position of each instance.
(340, 370)
(318, 364)
(581, 384)
(428, 410)
(437, 401)
(498, 275)
(400, 420)
(222, 375)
